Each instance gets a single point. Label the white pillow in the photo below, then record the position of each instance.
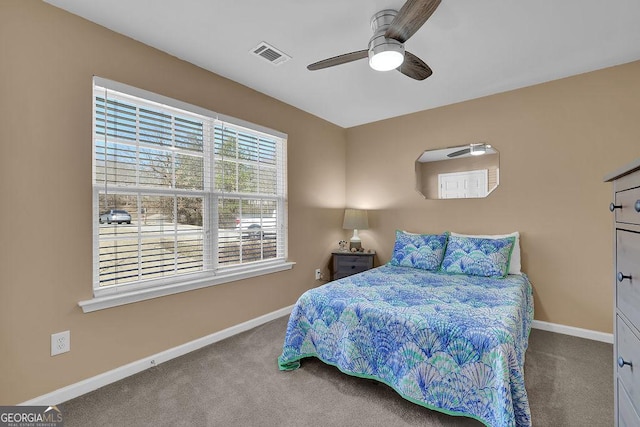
(514, 265)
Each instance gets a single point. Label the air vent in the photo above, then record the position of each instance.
(270, 53)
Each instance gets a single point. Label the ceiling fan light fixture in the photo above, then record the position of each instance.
(386, 61)
(384, 54)
(478, 149)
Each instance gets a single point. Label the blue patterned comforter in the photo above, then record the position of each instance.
(453, 343)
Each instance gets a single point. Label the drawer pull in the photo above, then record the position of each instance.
(613, 207)
(622, 362)
(621, 277)
(637, 206)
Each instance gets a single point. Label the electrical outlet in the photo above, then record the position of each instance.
(318, 274)
(60, 342)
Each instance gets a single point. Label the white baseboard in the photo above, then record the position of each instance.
(72, 391)
(571, 330)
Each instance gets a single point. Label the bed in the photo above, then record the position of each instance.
(454, 343)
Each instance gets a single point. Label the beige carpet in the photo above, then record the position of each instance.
(236, 382)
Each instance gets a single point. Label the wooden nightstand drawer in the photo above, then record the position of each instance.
(353, 261)
(347, 263)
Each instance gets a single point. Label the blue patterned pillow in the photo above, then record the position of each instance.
(423, 251)
(478, 257)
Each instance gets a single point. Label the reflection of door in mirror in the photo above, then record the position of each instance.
(463, 185)
(455, 172)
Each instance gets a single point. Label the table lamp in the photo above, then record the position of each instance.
(355, 219)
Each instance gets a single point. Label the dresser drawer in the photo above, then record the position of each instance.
(628, 264)
(629, 200)
(629, 351)
(627, 415)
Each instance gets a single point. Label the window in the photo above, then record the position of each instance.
(181, 194)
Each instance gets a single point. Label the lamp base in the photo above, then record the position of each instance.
(355, 242)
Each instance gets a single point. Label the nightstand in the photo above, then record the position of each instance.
(348, 263)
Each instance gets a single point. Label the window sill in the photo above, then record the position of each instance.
(128, 297)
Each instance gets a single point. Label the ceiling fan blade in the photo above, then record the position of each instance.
(410, 18)
(459, 152)
(337, 60)
(414, 67)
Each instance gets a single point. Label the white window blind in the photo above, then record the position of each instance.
(180, 193)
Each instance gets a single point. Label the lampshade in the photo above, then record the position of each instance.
(355, 219)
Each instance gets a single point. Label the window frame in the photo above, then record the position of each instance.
(213, 273)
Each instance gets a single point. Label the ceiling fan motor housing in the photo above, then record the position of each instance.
(384, 54)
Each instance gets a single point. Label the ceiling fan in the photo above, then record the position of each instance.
(473, 149)
(386, 48)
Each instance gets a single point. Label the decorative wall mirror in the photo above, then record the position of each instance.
(463, 172)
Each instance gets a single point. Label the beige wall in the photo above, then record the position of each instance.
(556, 142)
(48, 58)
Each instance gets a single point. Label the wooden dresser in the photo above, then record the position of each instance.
(626, 346)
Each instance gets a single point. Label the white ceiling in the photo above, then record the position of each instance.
(475, 48)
